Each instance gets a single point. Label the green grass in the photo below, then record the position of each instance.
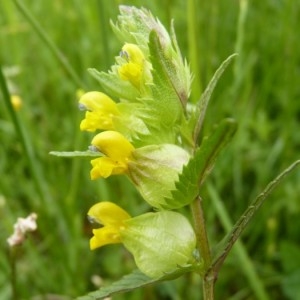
(260, 90)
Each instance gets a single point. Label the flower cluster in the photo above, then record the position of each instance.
(21, 227)
(143, 132)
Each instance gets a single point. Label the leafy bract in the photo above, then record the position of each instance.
(114, 86)
(160, 242)
(204, 100)
(76, 153)
(133, 281)
(200, 165)
(164, 103)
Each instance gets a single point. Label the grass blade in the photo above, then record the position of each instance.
(25, 142)
(248, 215)
(46, 39)
(240, 251)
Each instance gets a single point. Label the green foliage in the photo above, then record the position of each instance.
(260, 92)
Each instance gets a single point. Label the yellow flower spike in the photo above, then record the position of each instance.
(112, 217)
(100, 111)
(118, 152)
(133, 69)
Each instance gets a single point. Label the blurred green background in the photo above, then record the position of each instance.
(261, 90)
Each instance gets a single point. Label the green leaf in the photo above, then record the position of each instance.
(169, 68)
(204, 100)
(127, 283)
(76, 153)
(226, 244)
(200, 165)
(133, 281)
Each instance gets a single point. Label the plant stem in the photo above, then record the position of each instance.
(203, 246)
(208, 288)
(25, 142)
(13, 276)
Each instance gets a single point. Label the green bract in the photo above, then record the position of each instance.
(160, 242)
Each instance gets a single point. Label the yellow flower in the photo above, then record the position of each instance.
(159, 242)
(117, 150)
(134, 66)
(100, 111)
(112, 217)
(16, 102)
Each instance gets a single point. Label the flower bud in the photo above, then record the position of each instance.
(134, 67)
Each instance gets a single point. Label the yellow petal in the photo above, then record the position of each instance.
(131, 72)
(100, 111)
(105, 166)
(108, 213)
(96, 120)
(104, 236)
(97, 101)
(112, 217)
(114, 145)
(133, 69)
(134, 53)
